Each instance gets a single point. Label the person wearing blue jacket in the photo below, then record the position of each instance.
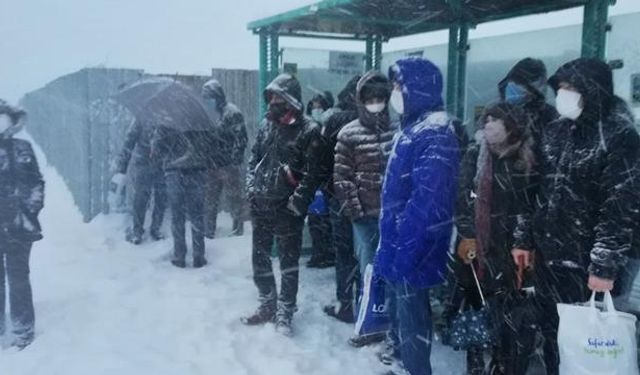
(418, 203)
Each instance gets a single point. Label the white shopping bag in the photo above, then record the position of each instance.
(595, 342)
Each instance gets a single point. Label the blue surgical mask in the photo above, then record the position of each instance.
(212, 102)
(316, 114)
(515, 93)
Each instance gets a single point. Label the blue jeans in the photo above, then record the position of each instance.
(366, 235)
(411, 326)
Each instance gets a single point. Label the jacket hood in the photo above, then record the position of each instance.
(288, 87)
(530, 73)
(17, 116)
(373, 84)
(593, 80)
(347, 97)
(213, 90)
(421, 83)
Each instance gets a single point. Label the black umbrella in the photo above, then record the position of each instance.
(164, 102)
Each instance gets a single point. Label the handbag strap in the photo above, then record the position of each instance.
(475, 277)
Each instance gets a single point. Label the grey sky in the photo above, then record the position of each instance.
(43, 39)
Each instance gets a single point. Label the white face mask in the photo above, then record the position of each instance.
(568, 104)
(494, 132)
(397, 101)
(375, 108)
(316, 114)
(5, 123)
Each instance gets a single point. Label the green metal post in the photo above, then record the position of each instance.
(377, 52)
(594, 29)
(452, 70)
(368, 55)
(274, 56)
(264, 72)
(461, 77)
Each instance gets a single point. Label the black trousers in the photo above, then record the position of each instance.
(186, 196)
(145, 184)
(321, 237)
(286, 230)
(347, 274)
(14, 267)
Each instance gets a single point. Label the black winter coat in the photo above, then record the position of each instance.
(587, 213)
(513, 198)
(136, 149)
(346, 112)
(233, 138)
(589, 197)
(279, 167)
(191, 150)
(21, 191)
(233, 135)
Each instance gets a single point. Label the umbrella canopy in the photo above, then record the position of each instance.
(163, 102)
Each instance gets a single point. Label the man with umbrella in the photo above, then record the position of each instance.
(183, 137)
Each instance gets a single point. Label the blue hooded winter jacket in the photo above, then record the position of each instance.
(418, 196)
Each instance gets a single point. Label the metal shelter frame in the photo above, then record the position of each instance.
(377, 21)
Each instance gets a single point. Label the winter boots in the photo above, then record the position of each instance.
(282, 316)
(342, 312)
(264, 314)
(366, 340)
(134, 236)
(238, 228)
(156, 235)
(199, 262)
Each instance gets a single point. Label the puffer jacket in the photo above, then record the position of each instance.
(362, 152)
(418, 198)
(587, 212)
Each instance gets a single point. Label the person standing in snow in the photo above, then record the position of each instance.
(585, 222)
(418, 202)
(147, 179)
(280, 190)
(341, 228)
(526, 86)
(184, 156)
(497, 189)
(362, 152)
(21, 199)
(320, 108)
(228, 173)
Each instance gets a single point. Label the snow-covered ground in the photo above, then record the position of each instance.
(104, 306)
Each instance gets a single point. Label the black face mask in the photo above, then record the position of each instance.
(277, 111)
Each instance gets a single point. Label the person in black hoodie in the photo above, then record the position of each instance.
(320, 108)
(280, 188)
(526, 86)
(21, 199)
(227, 172)
(342, 231)
(586, 215)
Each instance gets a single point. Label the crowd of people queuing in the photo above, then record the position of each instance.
(540, 196)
